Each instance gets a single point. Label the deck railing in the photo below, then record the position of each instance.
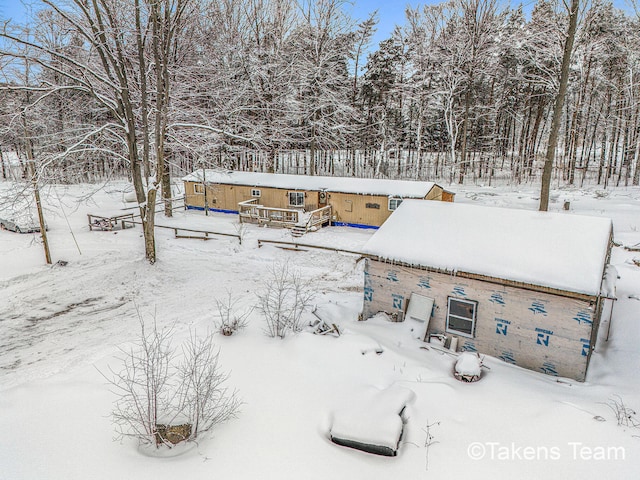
(251, 211)
(319, 217)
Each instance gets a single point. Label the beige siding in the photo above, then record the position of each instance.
(227, 197)
(539, 331)
(350, 208)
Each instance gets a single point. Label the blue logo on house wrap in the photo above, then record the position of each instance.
(583, 316)
(392, 276)
(586, 347)
(368, 294)
(549, 368)
(538, 307)
(543, 337)
(508, 357)
(496, 297)
(397, 301)
(458, 290)
(502, 326)
(469, 347)
(423, 282)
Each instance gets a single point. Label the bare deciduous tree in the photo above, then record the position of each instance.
(285, 297)
(154, 394)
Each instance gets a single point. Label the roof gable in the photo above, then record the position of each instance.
(561, 251)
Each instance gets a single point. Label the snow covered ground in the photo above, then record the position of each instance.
(60, 326)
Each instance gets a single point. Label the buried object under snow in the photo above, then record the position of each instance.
(468, 367)
(374, 423)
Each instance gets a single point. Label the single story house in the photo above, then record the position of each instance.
(527, 287)
(286, 200)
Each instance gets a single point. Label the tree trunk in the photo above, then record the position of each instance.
(557, 109)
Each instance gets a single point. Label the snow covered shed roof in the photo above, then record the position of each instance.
(555, 250)
(365, 186)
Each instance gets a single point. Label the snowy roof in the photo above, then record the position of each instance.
(365, 186)
(557, 250)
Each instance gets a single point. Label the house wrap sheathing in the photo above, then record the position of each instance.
(523, 286)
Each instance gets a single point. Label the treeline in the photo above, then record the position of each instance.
(461, 90)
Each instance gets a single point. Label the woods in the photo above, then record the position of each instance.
(461, 91)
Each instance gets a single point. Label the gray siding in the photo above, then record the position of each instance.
(540, 331)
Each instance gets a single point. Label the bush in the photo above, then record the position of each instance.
(228, 321)
(163, 402)
(285, 297)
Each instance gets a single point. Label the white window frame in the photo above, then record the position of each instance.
(396, 201)
(198, 188)
(296, 195)
(458, 317)
(255, 192)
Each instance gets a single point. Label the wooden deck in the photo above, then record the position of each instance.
(250, 211)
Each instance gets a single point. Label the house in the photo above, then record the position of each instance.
(287, 200)
(522, 286)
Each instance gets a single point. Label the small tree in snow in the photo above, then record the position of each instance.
(228, 320)
(161, 402)
(284, 298)
(203, 397)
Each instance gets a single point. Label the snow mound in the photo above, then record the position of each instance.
(468, 367)
(373, 423)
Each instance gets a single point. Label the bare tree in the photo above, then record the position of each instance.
(558, 105)
(113, 44)
(205, 401)
(144, 386)
(285, 297)
(160, 402)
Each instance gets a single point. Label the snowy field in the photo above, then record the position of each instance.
(60, 326)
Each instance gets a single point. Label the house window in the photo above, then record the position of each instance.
(296, 199)
(394, 203)
(255, 192)
(461, 316)
(198, 188)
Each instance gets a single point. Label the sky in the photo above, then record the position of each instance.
(390, 12)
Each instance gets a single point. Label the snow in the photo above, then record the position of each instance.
(609, 282)
(557, 250)
(372, 418)
(468, 364)
(60, 325)
(364, 186)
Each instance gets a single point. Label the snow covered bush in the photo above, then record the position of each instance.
(163, 402)
(228, 320)
(284, 299)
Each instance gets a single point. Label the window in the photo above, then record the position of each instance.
(296, 199)
(198, 188)
(461, 316)
(394, 203)
(255, 192)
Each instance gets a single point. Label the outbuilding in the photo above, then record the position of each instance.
(524, 286)
(288, 200)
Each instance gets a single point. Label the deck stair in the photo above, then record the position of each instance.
(298, 230)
